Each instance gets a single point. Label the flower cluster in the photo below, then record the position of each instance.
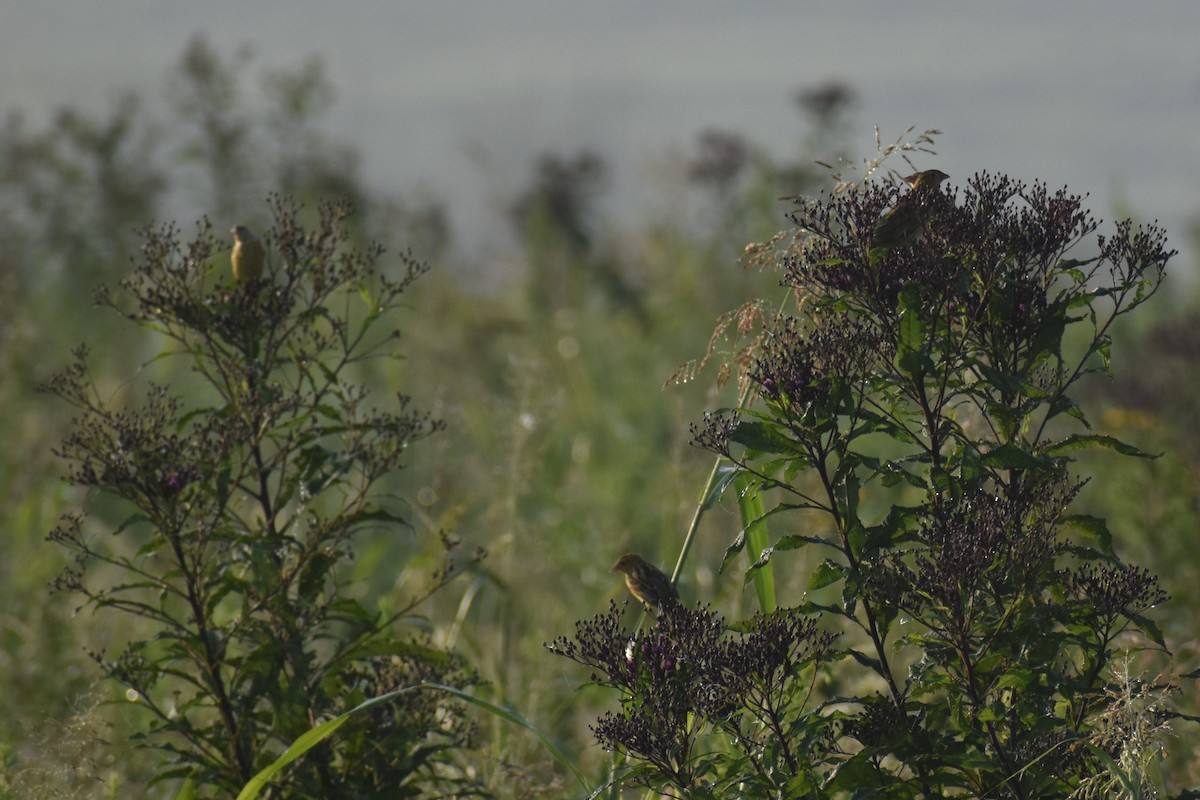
(798, 367)
(807, 376)
(686, 675)
(994, 256)
(971, 548)
(1116, 590)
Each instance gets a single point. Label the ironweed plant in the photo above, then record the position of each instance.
(684, 682)
(242, 505)
(916, 418)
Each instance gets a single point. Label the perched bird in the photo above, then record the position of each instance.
(929, 179)
(248, 255)
(902, 223)
(646, 582)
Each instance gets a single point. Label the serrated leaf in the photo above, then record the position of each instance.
(865, 660)
(764, 437)
(1017, 679)
(1150, 628)
(808, 607)
(764, 559)
(795, 541)
(853, 774)
(914, 364)
(1007, 384)
(826, 573)
(1097, 527)
(1081, 441)
(1009, 456)
(733, 549)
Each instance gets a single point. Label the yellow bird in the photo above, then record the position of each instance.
(248, 255)
(646, 582)
(903, 223)
(930, 179)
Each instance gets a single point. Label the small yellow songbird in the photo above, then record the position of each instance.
(929, 179)
(646, 582)
(904, 222)
(248, 255)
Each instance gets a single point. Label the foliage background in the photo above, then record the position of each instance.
(564, 446)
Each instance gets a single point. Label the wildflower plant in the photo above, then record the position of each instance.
(687, 683)
(913, 424)
(240, 504)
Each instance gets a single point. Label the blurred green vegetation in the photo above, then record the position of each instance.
(567, 442)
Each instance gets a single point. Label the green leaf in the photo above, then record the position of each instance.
(1065, 405)
(1003, 383)
(796, 541)
(733, 549)
(866, 660)
(1072, 266)
(912, 329)
(1096, 527)
(370, 301)
(911, 356)
(1047, 339)
(992, 712)
(765, 437)
(321, 732)
(509, 715)
(826, 573)
(852, 775)
(1131, 790)
(850, 496)
(750, 507)
(308, 741)
(1081, 441)
(913, 363)
(187, 789)
(726, 473)
(1150, 628)
(1009, 456)
(1017, 679)
(223, 482)
(809, 608)
(377, 514)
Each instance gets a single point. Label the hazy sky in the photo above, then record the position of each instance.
(1101, 95)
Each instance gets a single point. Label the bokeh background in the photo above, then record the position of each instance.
(461, 97)
(582, 179)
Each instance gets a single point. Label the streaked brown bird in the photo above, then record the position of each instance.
(646, 582)
(929, 179)
(248, 255)
(903, 223)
